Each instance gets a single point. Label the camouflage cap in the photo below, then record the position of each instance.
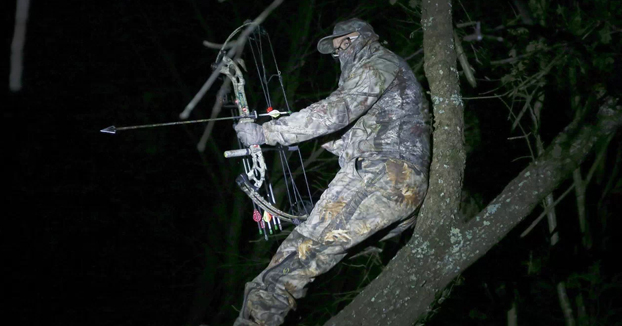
(325, 45)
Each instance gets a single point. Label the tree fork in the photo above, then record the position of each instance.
(411, 283)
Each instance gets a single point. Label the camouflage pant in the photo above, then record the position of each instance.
(364, 198)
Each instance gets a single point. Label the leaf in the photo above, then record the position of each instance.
(575, 22)
(603, 63)
(478, 315)
(506, 79)
(532, 46)
(605, 34)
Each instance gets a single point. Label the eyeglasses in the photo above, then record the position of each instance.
(345, 44)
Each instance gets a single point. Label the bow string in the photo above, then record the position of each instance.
(254, 181)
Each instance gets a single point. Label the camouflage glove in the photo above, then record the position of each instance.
(250, 134)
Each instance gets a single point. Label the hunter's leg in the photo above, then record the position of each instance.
(357, 204)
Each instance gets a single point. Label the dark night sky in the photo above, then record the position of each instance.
(104, 229)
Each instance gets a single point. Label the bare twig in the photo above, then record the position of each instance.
(17, 45)
(237, 50)
(519, 137)
(464, 62)
(524, 109)
(509, 60)
(580, 193)
(222, 92)
(219, 46)
(414, 54)
(587, 180)
(520, 126)
(524, 12)
(565, 304)
(367, 251)
(467, 24)
(613, 177)
(512, 315)
(550, 198)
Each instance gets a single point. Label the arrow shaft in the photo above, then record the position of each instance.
(253, 115)
(153, 125)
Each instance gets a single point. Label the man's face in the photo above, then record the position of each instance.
(343, 42)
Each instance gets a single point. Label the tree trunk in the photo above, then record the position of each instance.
(441, 248)
(408, 287)
(416, 272)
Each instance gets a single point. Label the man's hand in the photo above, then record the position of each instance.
(250, 134)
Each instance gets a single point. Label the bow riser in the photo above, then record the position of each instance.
(257, 171)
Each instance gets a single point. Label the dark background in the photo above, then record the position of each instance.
(131, 229)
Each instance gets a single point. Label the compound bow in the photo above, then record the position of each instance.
(254, 163)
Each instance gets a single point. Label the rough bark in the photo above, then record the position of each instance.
(442, 247)
(411, 283)
(415, 276)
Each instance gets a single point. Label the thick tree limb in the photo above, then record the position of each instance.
(411, 283)
(442, 246)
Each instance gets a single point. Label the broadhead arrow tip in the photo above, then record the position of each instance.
(109, 130)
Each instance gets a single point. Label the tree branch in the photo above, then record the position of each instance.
(237, 50)
(411, 283)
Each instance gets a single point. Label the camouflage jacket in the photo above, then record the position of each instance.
(379, 103)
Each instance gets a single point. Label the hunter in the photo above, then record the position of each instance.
(384, 155)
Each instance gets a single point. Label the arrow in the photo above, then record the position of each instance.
(113, 130)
